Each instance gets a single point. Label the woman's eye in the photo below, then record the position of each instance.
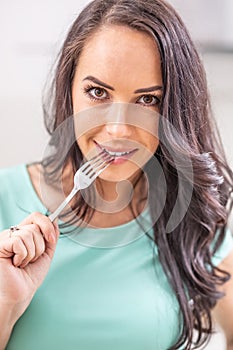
(98, 93)
(149, 100)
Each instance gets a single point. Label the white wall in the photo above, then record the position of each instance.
(209, 21)
(30, 34)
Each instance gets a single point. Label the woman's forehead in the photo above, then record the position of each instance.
(121, 50)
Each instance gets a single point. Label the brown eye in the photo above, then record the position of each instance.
(98, 92)
(149, 100)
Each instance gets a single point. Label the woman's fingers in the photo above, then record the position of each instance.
(46, 226)
(33, 237)
(34, 243)
(32, 247)
(50, 247)
(19, 250)
(39, 246)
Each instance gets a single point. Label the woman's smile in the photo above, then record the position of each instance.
(120, 155)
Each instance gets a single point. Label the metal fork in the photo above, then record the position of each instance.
(84, 177)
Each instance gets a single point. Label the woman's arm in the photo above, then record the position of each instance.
(223, 311)
(7, 321)
(4, 335)
(25, 257)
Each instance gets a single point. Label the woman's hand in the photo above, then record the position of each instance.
(25, 257)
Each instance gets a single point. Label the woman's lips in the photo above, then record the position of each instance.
(120, 155)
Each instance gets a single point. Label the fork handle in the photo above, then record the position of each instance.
(55, 214)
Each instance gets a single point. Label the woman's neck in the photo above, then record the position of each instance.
(115, 202)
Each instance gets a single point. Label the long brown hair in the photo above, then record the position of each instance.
(186, 252)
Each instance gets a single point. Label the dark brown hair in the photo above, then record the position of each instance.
(186, 252)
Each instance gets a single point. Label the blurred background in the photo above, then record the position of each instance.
(31, 33)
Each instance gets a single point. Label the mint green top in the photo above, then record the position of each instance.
(105, 293)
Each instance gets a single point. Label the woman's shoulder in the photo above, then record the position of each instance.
(10, 175)
(225, 248)
(19, 180)
(13, 182)
(17, 195)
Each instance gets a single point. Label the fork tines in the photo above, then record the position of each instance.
(97, 164)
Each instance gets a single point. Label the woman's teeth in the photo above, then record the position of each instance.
(116, 154)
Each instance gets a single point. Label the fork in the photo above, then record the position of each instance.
(84, 177)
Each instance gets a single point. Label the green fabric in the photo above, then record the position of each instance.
(94, 297)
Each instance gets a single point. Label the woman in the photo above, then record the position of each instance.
(130, 75)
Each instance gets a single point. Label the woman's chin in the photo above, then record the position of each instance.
(119, 171)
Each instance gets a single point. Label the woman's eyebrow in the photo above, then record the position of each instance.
(99, 82)
(149, 89)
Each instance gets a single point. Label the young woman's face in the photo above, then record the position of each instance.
(121, 67)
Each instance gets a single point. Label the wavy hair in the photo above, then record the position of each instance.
(186, 252)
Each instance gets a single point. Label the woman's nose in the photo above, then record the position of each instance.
(117, 124)
(118, 130)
